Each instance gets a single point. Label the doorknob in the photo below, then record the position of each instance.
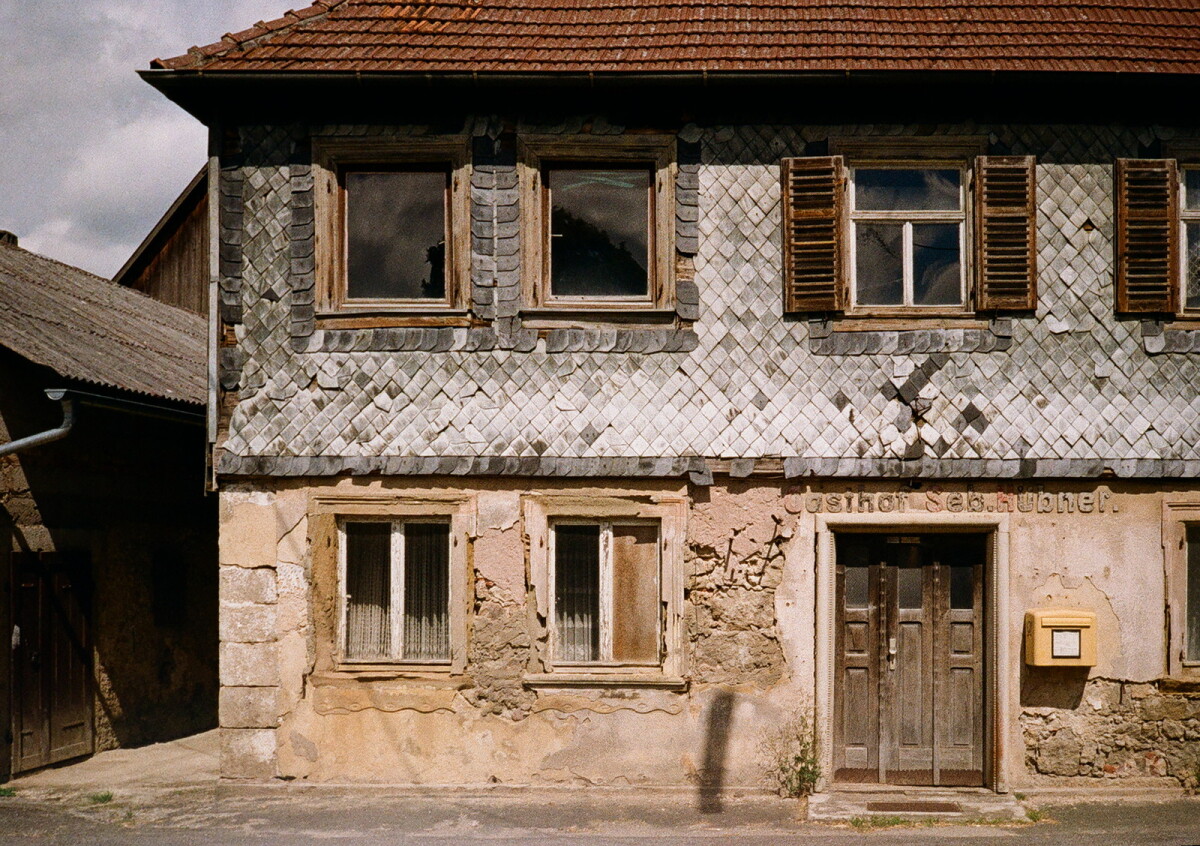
(891, 653)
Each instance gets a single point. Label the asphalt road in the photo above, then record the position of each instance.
(205, 816)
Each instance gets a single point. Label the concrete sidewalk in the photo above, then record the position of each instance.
(169, 794)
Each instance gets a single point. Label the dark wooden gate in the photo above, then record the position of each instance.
(51, 666)
(909, 697)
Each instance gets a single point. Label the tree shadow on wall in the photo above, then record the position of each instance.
(716, 748)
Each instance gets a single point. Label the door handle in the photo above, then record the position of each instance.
(891, 653)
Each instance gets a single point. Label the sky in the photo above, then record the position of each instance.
(92, 155)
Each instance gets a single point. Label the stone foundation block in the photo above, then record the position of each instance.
(239, 585)
(249, 707)
(249, 665)
(247, 623)
(247, 536)
(248, 753)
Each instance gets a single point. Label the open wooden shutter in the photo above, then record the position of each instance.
(813, 234)
(1005, 233)
(1147, 227)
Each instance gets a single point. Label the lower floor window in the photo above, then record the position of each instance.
(396, 591)
(606, 592)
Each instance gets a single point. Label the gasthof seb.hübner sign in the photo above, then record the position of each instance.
(935, 500)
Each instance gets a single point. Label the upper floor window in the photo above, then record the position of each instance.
(1190, 232)
(397, 229)
(393, 226)
(915, 230)
(600, 239)
(598, 222)
(908, 226)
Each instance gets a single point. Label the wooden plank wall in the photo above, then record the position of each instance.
(178, 273)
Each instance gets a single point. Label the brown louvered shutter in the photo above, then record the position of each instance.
(813, 227)
(1147, 224)
(1005, 233)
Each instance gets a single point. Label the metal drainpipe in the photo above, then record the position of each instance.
(50, 435)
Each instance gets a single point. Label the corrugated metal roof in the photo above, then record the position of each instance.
(88, 328)
(713, 36)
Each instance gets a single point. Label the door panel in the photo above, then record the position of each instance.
(52, 708)
(909, 695)
(70, 690)
(31, 710)
(856, 705)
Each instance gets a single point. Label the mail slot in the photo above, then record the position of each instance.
(1060, 637)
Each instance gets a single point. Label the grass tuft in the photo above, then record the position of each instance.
(101, 798)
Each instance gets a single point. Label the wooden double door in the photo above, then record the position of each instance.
(51, 659)
(909, 703)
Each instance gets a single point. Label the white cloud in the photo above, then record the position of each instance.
(94, 155)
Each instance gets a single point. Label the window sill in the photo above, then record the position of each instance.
(1184, 680)
(893, 321)
(592, 316)
(353, 674)
(382, 318)
(551, 680)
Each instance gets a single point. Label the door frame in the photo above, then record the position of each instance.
(996, 704)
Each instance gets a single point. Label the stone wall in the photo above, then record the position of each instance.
(1119, 730)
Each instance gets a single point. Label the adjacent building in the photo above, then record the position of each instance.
(599, 386)
(107, 536)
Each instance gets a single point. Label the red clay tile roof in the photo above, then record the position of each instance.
(714, 36)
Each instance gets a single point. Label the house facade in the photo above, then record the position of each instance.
(590, 397)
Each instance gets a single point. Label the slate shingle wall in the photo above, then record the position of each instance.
(1067, 392)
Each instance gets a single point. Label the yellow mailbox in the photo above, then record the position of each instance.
(1060, 637)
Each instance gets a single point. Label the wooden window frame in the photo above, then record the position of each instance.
(606, 610)
(327, 518)
(332, 159)
(535, 154)
(1186, 216)
(1178, 516)
(397, 565)
(962, 217)
(540, 514)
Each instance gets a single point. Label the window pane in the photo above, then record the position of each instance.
(879, 255)
(937, 269)
(427, 591)
(1191, 188)
(857, 587)
(1193, 593)
(1192, 268)
(599, 232)
(907, 189)
(577, 592)
(911, 580)
(368, 590)
(396, 235)
(636, 594)
(962, 587)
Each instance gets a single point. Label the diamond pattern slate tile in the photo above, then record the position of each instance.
(751, 387)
